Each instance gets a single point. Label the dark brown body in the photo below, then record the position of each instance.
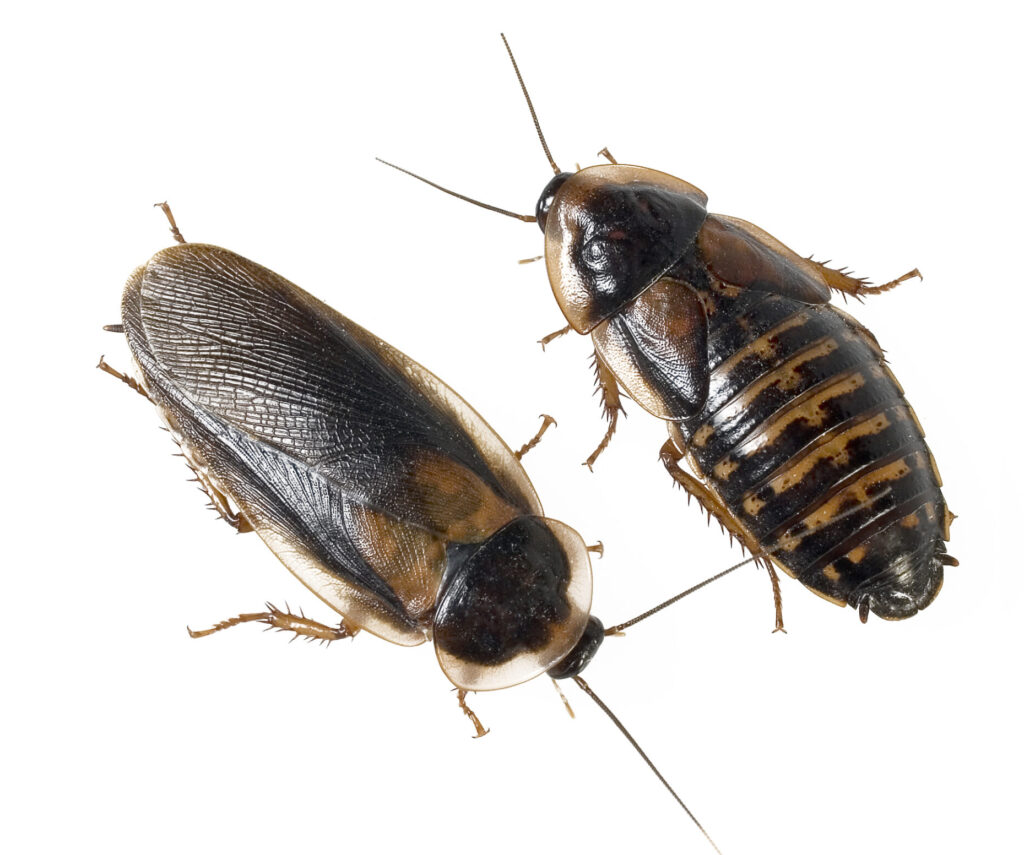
(809, 442)
(798, 436)
(384, 492)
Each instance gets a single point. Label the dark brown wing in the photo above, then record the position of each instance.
(354, 464)
(255, 350)
(657, 347)
(742, 254)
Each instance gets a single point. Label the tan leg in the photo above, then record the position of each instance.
(597, 548)
(530, 260)
(843, 282)
(548, 421)
(550, 337)
(283, 621)
(712, 505)
(776, 595)
(611, 406)
(605, 153)
(565, 700)
(219, 502)
(124, 378)
(163, 206)
(480, 729)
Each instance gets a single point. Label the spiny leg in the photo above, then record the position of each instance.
(611, 406)
(480, 729)
(124, 378)
(712, 505)
(284, 621)
(605, 153)
(530, 260)
(548, 421)
(219, 502)
(550, 337)
(163, 206)
(776, 595)
(859, 287)
(597, 548)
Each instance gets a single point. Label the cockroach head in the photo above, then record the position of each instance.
(579, 657)
(610, 233)
(547, 196)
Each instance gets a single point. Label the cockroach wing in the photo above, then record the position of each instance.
(657, 347)
(354, 464)
(252, 348)
(742, 254)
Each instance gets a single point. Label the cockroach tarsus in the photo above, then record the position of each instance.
(372, 481)
(799, 439)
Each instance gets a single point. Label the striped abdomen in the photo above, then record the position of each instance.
(807, 439)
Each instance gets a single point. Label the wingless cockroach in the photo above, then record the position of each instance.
(800, 440)
(372, 481)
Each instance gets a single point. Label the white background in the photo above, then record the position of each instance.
(883, 136)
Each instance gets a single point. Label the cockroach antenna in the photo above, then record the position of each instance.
(526, 218)
(529, 103)
(615, 630)
(618, 629)
(622, 729)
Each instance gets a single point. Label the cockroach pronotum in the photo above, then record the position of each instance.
(372, 481)
(800, 440)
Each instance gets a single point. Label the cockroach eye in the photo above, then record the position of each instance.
(547, 197)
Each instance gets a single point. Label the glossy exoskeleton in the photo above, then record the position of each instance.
(371, 480)
(800, 440)
(386, 494)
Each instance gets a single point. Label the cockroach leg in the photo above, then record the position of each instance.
(841, 280)
(124, 378)
(777, 595)
(284, 621)
(530, 261)
(605, 153)
(550, 337)
(670, 457)
(611, 406)
(480, 729)
(548, 421)
(565, 700)
(220, 502)
(163, 206)
(597, 548)
(118, 328)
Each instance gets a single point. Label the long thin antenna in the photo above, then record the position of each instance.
(529, 103)
(526, 218)
(616, 629)
(622, 729)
